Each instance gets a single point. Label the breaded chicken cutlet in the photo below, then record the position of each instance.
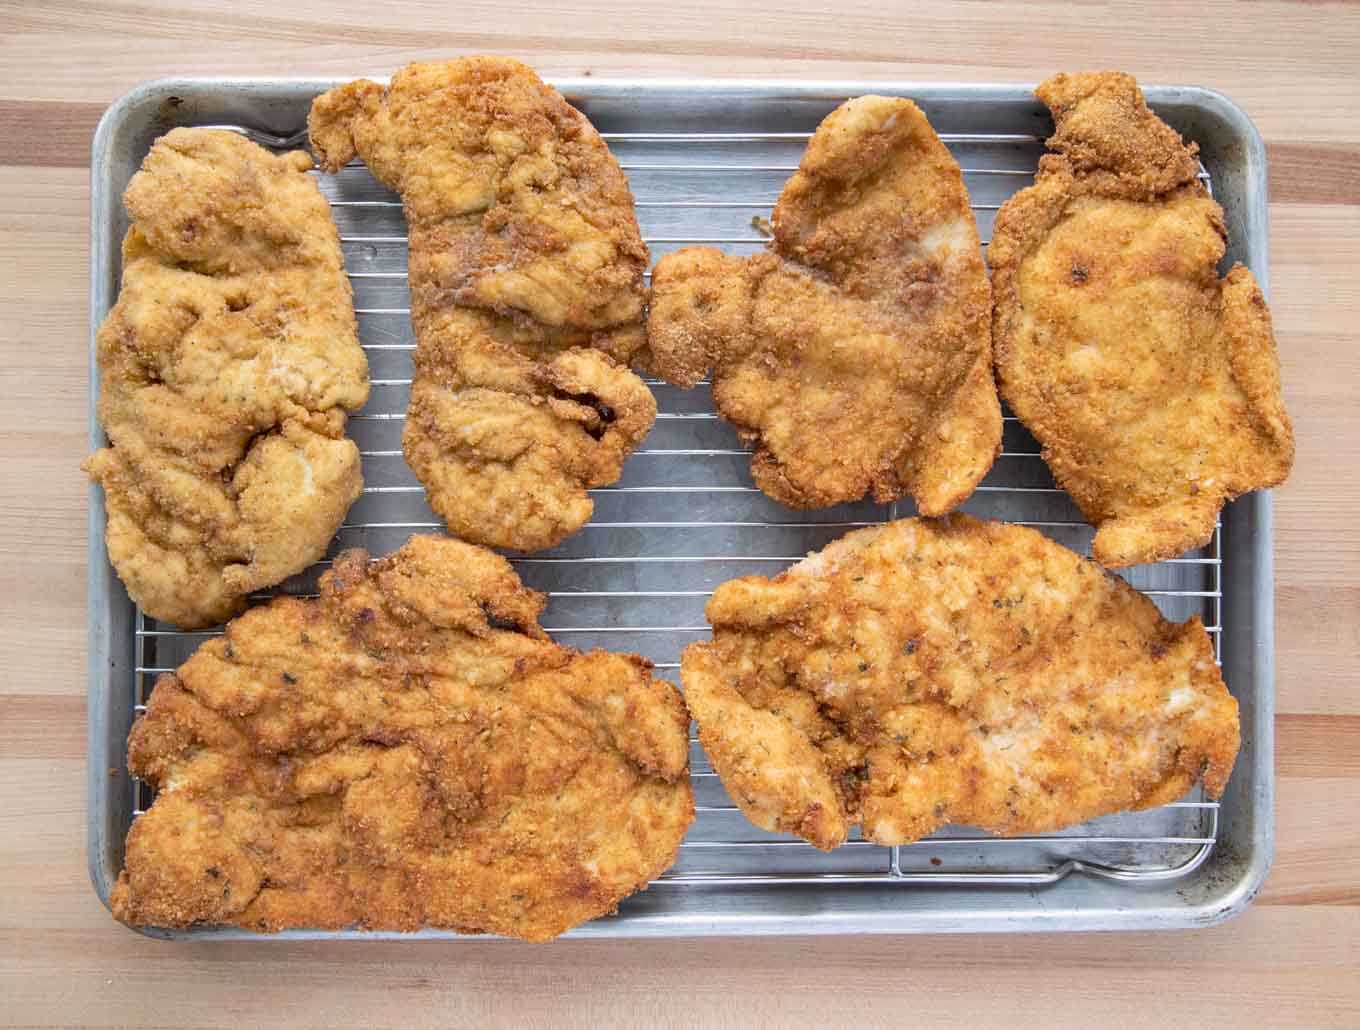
(928, 672)
(409, 750)
(226, 369)
(1152, 384)
(527, 297)
(856, 352)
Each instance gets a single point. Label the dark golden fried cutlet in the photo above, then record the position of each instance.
(856, 352)
(407, 750)
(1152, 384)
(527, 296)
(226, 370)
(928, 672)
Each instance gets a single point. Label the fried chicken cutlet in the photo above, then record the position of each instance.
(526, 276)
(928, 672)
(1152, 384)
(408, 750)
(226, 369)
(855, 353)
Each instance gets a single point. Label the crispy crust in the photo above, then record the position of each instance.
(226, 369)
(928, 672)
(526, 273)
(408, 750)
(856, 353)
(1152, 385)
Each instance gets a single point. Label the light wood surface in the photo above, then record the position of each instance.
(1290, 960)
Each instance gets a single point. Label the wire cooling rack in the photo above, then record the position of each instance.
(684, 517)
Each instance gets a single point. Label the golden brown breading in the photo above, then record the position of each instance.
(526, 271)
(928, 672)
(1152, 385)
(409, 750)
(226, 368)
(856, 352)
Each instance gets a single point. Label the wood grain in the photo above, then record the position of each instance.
(1287, 962)
(1314, 173)
(47, 133)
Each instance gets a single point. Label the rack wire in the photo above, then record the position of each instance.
(685, 517)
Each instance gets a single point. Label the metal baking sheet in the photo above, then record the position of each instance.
(704, 159)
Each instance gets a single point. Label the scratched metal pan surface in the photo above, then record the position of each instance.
(704, 159)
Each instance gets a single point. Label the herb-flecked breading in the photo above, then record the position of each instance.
(928, 672)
